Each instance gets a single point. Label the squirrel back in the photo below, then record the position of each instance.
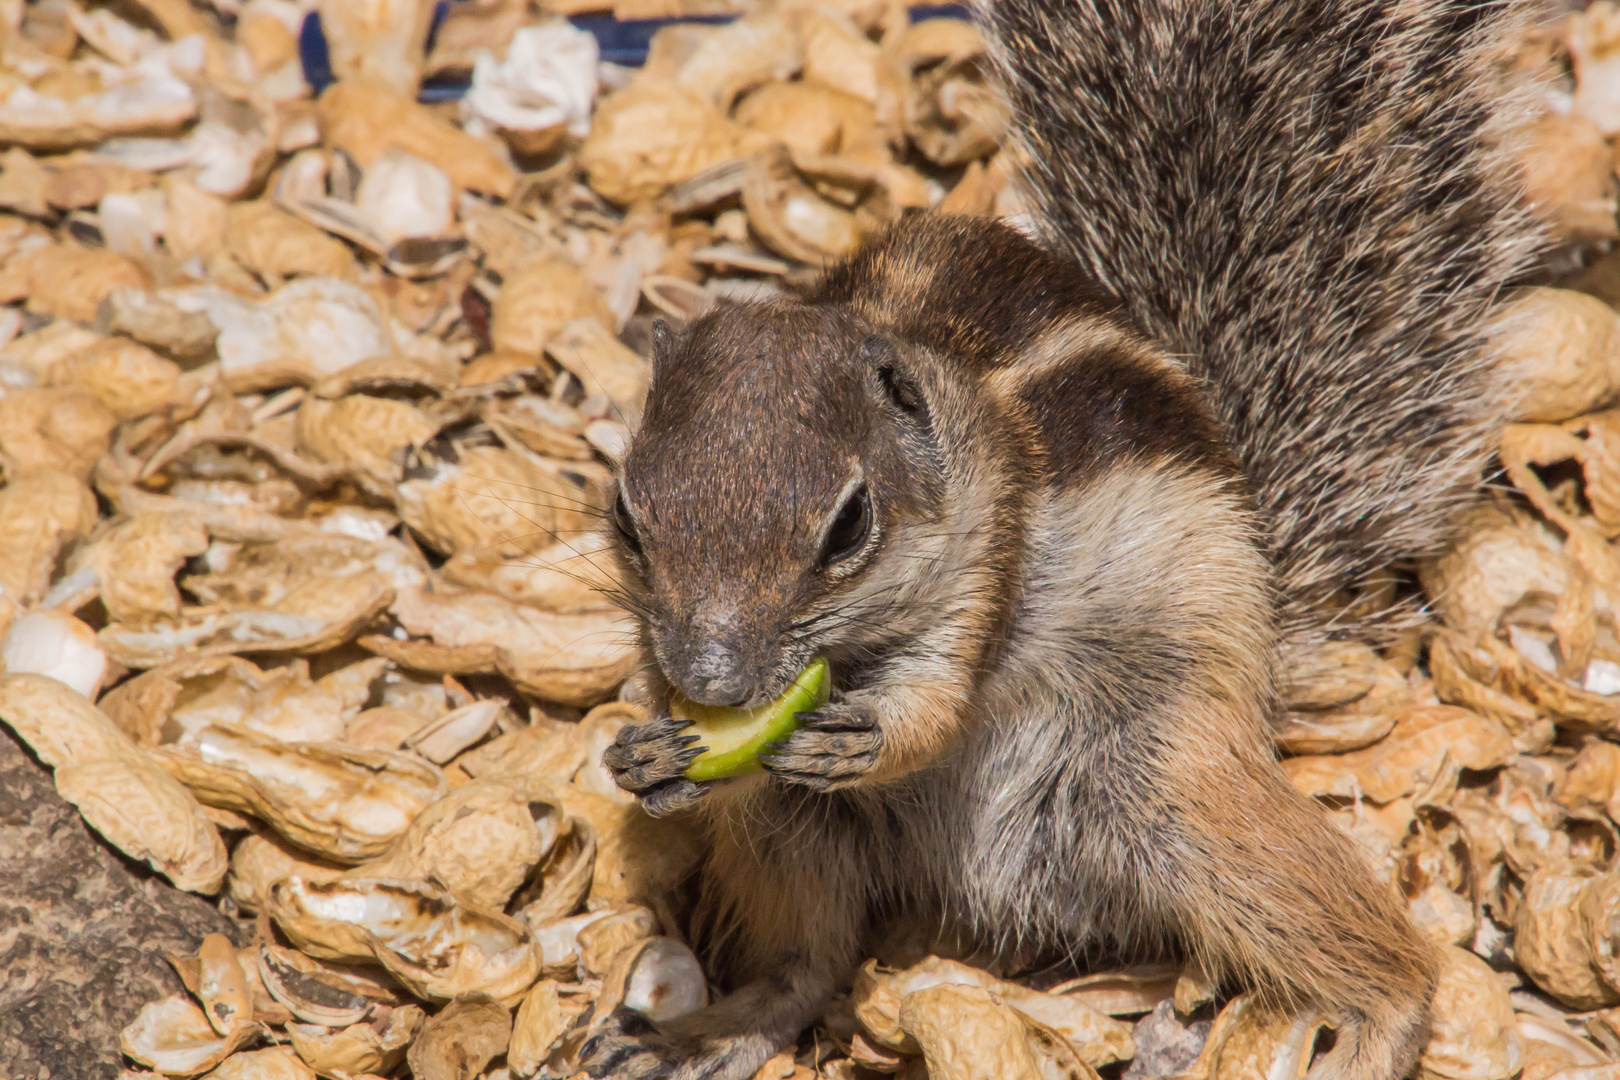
(1308, 202)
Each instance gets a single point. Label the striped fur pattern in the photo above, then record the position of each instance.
(1053, 656)
(1298, 197)
(1078, 494)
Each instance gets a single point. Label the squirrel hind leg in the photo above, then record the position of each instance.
(1279, 898)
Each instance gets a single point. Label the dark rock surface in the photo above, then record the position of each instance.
(82, 932)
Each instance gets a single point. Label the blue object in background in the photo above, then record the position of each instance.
(626, 42)
(313, 55)
(618, 41)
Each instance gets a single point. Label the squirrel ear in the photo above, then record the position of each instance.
(900, 386)
(663, 346)
(873, 350)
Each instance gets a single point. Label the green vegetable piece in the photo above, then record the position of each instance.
(732, 738)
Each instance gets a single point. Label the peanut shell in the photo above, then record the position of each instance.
(1473, 1034)
(458, 1042)
(120, 791)
(650, 136)
(575, 659)
(173, 1036)
(538, 1024)
(380, 39)
(1565, 346)
(480, 841)
(966, 1032)
(40, 513)
(439, 947)
(260, 859)
(342, 802)
(374, 1046)
(275, 1063)
(135, 564)
(365, 116)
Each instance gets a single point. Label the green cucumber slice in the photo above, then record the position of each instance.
(732, 738)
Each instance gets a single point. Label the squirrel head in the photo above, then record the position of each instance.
(784, 451)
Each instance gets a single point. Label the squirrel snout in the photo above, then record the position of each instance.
(714, 675)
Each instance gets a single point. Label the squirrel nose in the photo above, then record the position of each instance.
(715, 677)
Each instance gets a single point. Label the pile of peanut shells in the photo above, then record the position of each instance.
(308, 408)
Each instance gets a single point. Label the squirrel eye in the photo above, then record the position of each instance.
(850, 529)
(626, 525)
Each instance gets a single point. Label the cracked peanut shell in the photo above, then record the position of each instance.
(123, 794)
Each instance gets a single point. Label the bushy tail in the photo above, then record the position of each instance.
(1301, 197)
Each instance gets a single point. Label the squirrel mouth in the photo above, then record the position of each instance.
(733, 738)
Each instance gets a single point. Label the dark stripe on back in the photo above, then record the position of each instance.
(1103, 406)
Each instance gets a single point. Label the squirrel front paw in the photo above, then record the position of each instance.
(648, 760)
(835, 746)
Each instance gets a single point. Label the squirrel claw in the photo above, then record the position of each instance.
(628, 1046)
(649, 759)
(836, 745)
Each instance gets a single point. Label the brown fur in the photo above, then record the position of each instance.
(1050, 510)
(1053, 657)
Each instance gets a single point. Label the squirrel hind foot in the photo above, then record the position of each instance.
(628, 1046)
(1377, 1046)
